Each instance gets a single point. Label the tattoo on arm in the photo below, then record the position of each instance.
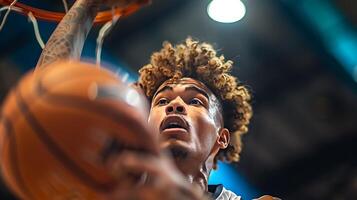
(68, 38)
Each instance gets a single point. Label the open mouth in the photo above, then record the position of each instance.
(173, 125)
(174, 122)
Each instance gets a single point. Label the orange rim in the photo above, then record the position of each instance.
(101, 18)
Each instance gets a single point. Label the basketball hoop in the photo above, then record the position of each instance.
(102, 17)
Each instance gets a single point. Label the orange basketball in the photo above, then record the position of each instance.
(59, 127)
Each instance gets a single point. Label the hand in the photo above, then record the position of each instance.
(159, 179)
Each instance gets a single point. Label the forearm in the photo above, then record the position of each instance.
(68, 39)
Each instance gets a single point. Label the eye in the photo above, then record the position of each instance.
(195, 101)
(162, 101)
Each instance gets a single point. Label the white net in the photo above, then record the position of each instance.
(65, 4)
(30, 16)
(8, 9)
(36, 30)
(107, 27)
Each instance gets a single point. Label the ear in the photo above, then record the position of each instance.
(223, 138)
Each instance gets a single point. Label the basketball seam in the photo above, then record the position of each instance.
(76, 101)
(14, 162)
(53, 147)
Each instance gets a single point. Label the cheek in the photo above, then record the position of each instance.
(155, 117)
(206, 129)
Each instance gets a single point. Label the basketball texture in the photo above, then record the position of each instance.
(60, 126)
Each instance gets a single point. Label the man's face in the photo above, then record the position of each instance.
(187, 117)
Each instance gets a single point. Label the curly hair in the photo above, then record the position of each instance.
(199, 61)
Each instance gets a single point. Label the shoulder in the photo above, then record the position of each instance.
(228, 195)
(220, 193)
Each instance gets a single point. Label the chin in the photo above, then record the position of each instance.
(167, 143)
(177, 148)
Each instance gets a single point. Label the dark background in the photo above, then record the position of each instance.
(298, 57)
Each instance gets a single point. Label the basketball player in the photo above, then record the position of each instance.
(197, 108)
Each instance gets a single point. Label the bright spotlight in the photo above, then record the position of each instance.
(226, 11)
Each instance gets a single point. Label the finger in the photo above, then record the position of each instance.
(124, 176)
(131, 169)
(136, 163)
(160, 175)
(159, 170)
(159, 179)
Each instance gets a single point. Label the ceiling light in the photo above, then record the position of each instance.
(226, 11)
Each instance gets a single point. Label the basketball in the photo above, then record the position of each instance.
(59, 127)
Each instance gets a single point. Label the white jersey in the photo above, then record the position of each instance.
(220, 193)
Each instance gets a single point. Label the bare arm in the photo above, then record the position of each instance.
(68, 39)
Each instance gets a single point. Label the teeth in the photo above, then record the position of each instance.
(174, 125)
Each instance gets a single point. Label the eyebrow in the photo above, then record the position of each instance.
(197, 89)
(192, 88)
(161, 90)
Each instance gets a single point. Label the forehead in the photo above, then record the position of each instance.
(185, 82)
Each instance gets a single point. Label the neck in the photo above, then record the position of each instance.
(196, 172)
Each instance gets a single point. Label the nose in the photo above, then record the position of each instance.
(175, 107)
